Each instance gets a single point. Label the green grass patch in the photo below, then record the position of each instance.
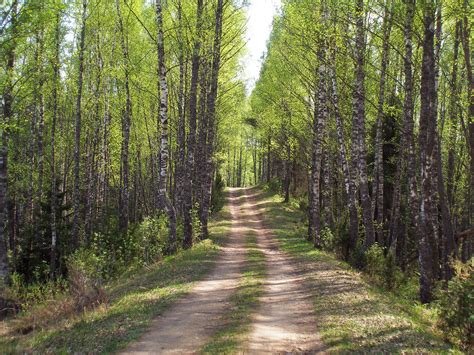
(134, 301)
(237, 321)
(353, 315)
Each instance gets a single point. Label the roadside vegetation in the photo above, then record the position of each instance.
(104, 318)
(355, 309)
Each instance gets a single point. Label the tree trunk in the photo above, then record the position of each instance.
(406, 158)
(349, 182)
(124, 204)
(210, 112)
(287, 172)
(163, 91)
(180, 141)
(319, 122)
(7, 116)
(359, 122)
(55, 65)
(378, 186)
(427, 147)
(470, 88)
(453, 112)
(40, 132)
(77, 133)
(191, 139)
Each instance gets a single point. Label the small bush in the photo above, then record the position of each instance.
(303, 205)
(374, 262)
(85, 280)
(217, 194)
(197, 227)
(274, 185)
(382, 269)
(328, 239)
(456, 304)
(149, 239)
(357, 257)
(23, 296)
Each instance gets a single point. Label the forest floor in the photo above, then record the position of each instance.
(256, 287)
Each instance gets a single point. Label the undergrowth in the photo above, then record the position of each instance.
(121, 309)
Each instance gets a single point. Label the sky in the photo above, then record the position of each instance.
(260, 15)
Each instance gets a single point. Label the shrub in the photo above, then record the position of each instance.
(456, 304)
(274, 185)
(357, 257)
(85, 280)
(197, 227)
(217, 194)
(382, 269)
(374, 262)
(328, 239)
(149, 239)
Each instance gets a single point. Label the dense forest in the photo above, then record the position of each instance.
(110, 116)
(123, 121)
(367, 110)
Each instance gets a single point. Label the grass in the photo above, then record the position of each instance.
(353, 315)
(134, 300)
(238, 319)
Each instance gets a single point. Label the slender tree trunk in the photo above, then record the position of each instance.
(427, 147)
(359, 121)
(269, 159)
(181, 137)
(52, 264)
(466, 32)
(77, 134)
(191, 139)
(319, 123)
(40, 133)
(406, 159)
(7, 116)
(163, 90)
(287, 172)
(126, 122)
(200, 156)
(453, 111)
(378, 186)
(211, 124)
(448, 243)
(349, 182)
(239, 169)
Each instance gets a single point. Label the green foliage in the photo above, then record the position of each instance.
(328, 239)
(456, 306)
(382, 269)
(357, 257)
(217, 196)
(23, 295)
(148, 239)
(85, 277)
(374, 261)
(274, 185)
(133, 301)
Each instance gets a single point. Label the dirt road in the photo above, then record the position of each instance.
(284, 322)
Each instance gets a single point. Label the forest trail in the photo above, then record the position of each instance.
(285, 321)
(186, 326)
